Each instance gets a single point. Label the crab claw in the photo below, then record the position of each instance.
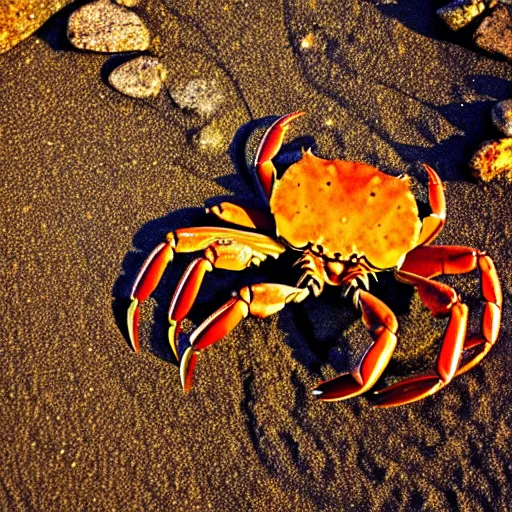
(269, 147)
(145, 283)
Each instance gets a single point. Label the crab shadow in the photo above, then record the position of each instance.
(218, 286)
(314, 328)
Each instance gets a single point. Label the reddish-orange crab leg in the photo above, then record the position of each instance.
(243, 216)
(442, 300)
(224, 248)
(147, 279)
(444, 259)
(184, 297)
(382, 324)
(259, 300)
(269, 147)
(433, 224)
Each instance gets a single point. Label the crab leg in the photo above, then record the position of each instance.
(433, 224)
(438, 260)
(243, 216)
(382, 324)
(269, 147)
(184, 297)
(259, 300)
(442, 300)
(224, 248)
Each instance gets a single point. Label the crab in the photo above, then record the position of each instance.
(346, 221)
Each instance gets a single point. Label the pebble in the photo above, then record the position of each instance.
(493, 158)
(105, 27)
(495, 32)
(139, 78)
(200, 96)
(502, 116)
(460, 13)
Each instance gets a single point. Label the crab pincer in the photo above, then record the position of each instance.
(269, 147)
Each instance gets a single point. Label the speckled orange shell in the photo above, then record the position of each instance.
(348, 208)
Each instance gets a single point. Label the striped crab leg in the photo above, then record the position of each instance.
(451, 259)
(259, 300)
(224, 248)
(442, 300)
(382, 325)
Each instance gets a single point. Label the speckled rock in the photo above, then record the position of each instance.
(20, 18)
(105, 27)
(493, 158)
(502, 116)
(203, 97)
(460, 13)
(139, 78)
(495, 32)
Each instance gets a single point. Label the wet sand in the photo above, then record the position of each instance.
(93, 180)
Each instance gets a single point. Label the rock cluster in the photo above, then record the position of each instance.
(103, 26)
(494, 34)
(108, 26)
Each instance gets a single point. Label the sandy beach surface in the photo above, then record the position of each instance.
(91, 182)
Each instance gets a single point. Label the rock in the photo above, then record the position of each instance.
(128, 3)
(493, 158)
(495, 32)
(20, 18)
(139, 78)
(199, 96)
(502, 116)
(460, 13)
(105, 27)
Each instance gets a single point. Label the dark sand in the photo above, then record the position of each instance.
(92, 180)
